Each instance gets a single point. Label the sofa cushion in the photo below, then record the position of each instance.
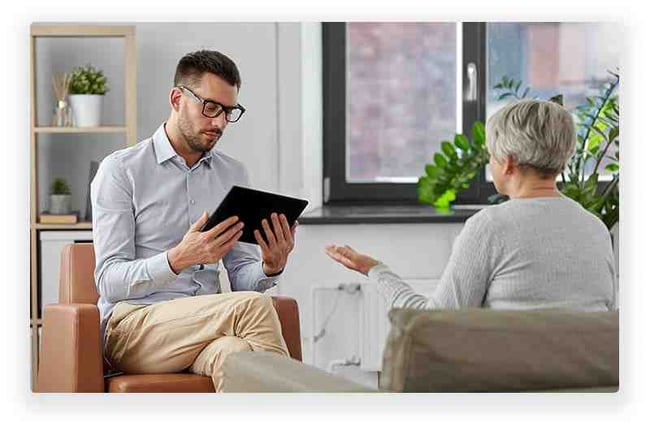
(179, 382)
(501, 351)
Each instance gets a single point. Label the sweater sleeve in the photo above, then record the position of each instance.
(464, 281)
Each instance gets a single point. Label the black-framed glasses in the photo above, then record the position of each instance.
(212, 109)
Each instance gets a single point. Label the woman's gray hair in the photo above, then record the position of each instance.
(536, 133)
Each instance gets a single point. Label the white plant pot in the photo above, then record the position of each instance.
(86, 109)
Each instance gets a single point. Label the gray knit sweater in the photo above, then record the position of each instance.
(522, 254)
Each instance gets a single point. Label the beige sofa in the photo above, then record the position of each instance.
(474, 350)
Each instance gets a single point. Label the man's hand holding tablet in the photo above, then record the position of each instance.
(205, 247)
(278, 244)
(247, 215)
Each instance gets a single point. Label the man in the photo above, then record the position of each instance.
(157, 275)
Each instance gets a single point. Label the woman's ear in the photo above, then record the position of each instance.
(509, 165)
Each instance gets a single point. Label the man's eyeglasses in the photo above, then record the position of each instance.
(212, 109)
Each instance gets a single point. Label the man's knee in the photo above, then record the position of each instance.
(225, 346)
(257, 300)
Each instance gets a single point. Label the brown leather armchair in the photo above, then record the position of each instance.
(71, 352)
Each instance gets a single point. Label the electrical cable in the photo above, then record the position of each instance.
(323, 331)
(350, 288)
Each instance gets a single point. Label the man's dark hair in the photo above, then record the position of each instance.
(192, 66)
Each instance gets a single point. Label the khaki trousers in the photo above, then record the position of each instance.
(195, 333)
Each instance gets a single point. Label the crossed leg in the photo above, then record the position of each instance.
(195, 333)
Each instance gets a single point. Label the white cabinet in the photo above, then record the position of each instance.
(51, 245)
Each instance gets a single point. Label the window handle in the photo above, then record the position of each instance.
(472, 88)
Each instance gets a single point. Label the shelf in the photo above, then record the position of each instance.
(51, 55)
(101, 129)
(52, 226)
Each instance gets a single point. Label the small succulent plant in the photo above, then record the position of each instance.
(88, 80)
(60, 187)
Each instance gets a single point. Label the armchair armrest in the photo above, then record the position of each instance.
(71, 350)
(287, 309)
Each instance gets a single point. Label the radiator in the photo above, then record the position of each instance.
(374, 324)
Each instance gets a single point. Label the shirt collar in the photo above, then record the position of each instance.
(165, 151)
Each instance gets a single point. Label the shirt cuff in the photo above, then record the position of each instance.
(159, 269)
(265, 282)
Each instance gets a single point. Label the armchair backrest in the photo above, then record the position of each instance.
(77, 279)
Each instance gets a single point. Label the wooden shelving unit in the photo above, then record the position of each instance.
(128, 130)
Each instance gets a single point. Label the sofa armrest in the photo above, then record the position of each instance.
(287, 309)
(71, 351)
(269, 372)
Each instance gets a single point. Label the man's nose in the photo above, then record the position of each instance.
(220, 121)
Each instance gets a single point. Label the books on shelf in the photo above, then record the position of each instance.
(47, 218)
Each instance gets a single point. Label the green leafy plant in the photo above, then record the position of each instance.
(513, 89)
(597, 138)
(88, 80)
(597, 130)
(60, 187)
(453, 168)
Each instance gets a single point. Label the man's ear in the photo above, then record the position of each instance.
(175, 98)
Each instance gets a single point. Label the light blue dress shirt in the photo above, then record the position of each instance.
(144, 199)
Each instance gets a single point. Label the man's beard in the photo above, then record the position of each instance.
(194, 140)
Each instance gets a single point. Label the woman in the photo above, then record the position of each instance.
(539, 249)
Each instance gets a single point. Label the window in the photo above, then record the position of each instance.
(401, 102)
(571, 59)
(393, 91)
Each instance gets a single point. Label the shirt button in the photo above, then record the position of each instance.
(192, 201)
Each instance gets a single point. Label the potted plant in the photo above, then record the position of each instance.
(87, 88)
(597, 144)
(60, 198)
(453, 168)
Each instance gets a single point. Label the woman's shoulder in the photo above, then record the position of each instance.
(493, 213)
(487, 219)
(543, 211)
(501, 215)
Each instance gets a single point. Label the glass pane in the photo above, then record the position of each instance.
(572, 59)
(401, 97)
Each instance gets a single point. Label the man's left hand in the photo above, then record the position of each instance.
(278, 245)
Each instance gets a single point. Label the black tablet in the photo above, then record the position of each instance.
(252, 206)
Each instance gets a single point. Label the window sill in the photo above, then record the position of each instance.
(386, 214)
